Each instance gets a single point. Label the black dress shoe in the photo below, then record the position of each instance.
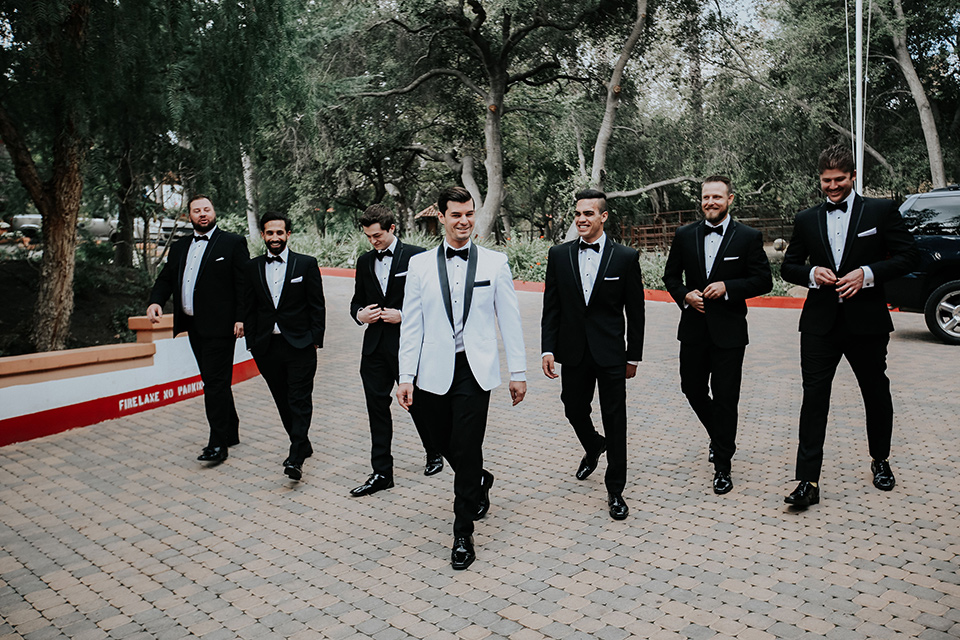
(434, 464)
(618, 508)
(804, 495)
(486, 481)
(294, 471)
(589, 463)
(722, 483)
(462, 555)
(374, 483)
(213, 454)
(882, 475)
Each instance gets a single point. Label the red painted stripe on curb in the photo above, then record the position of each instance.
(654, 295)
(82, 414)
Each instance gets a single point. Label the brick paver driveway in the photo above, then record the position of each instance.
(115, 531)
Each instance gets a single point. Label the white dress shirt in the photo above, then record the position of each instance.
(275, 272)
(590, 264)
(457, 280)
(382, 266)
(192, 268)
(712, 242)
(838, 225)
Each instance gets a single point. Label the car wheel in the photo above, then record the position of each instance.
(942, 312)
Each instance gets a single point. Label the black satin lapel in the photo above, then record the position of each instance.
(394, 267)
(822, 222)
(602, 267)
(700, 236)
(575, 267)
(287, 276)
(262, 270)
(471, 276)
(444, 283)
(856, 211)
(373, 274)
(724, 243)
(206, 254)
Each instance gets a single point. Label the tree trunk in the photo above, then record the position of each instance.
(489, 211)
(613, 98)
(928, 123)
(123, 246)
(51, 317)
(250, 189)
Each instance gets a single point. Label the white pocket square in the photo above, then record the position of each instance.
(219, 259)
(296, 280)
(613, 278)
(868, 232)
(402, 273)
(731, 258)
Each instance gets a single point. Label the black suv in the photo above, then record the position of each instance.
(934, 288)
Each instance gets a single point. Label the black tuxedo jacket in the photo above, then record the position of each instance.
(218, 292)
(367, 291)
(300, 313)
(877, 238)
(741, 265)
(569, 325)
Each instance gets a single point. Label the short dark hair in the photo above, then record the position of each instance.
(592, 194)
(270, 216)
(452, 194)
(378, 214)
(197, 196)
(724, 179)
(838, 157)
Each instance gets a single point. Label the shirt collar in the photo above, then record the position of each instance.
(393, 246)
(208, 233)
(848, 201)
(284, 255)
(447, 245)
(602, 240)
(725, 223)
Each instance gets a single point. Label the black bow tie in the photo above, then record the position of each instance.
(274, 259)
(458, 253)
(200, 239)
(586, 245)
(836, 206)
(717, 230)
(386, 253)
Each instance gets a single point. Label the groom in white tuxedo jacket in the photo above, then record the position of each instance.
(455, 298)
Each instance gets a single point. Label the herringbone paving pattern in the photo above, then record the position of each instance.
(114, 531)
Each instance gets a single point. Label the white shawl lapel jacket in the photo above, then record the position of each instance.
(427, 341)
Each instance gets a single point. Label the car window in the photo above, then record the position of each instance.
(934, 215)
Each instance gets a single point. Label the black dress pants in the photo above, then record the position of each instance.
(215, 361)
(706, 370)
(379, 371)
(457, 421)
(819, 357)
(578, 383)
(289, 373)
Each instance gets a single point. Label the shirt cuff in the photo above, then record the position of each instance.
(406, 378)
(868, 280)
(635, 363)
(813, 281)
(546, 353)
(359, 321)
(518, 376)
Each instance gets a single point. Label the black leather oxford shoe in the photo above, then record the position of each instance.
(486, 481)
(618, 508)
(376, 482)
(882, 475)
(462, 555)
(434, 464)
(213, 454)
(722, 483)
(293, 471)
(589, 463)
(804, 495)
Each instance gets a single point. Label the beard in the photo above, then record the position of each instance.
(276, 247)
